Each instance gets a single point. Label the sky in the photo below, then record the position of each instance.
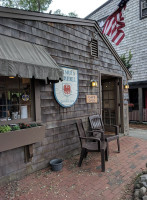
(81, 7)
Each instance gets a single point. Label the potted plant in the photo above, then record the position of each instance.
(14, 136)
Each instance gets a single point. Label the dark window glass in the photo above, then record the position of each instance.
(143, 7)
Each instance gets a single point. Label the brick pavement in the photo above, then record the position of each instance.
(87, 182)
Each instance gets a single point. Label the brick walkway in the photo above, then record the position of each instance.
(87, 182)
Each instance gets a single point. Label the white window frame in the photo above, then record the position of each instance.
(143, 7)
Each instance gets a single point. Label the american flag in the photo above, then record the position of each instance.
(115, 22)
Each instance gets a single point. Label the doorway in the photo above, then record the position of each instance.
(108, 102)
(112, 107)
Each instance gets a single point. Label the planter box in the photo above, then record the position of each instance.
(19, 138)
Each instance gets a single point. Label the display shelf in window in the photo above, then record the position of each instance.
(15, 99)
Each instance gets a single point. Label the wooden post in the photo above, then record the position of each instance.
(117, 101)
(140, 104)
(121, 104)
(100, 94)
(37, 101)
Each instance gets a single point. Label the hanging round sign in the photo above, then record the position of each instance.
(66, 92)
(25, 97)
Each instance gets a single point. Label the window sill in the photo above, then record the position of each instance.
(19, 138)
(143, 17)
(28, 120)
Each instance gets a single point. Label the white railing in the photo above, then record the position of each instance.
(145, 114)
(134, 115)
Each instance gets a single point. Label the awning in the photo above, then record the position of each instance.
(27, 60)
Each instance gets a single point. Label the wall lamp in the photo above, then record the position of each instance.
(93, 83)
(126, 86)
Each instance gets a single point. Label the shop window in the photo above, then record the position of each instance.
(143, 8)
(133, 100)
(15, 99)
(145, 98)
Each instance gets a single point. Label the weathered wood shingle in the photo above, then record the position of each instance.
(69, 45)
(135, 36)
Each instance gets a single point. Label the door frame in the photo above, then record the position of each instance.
(119, 92)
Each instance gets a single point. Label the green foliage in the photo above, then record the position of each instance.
(4, 129)
(15, 128)
(33, 5)
(58, 12)
(33, 125)
(126, 60)
(70, 14)
(7, 128)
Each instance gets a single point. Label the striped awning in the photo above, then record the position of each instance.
(27, 60)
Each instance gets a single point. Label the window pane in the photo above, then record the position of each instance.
(106, 103)
(13, 111)
(3, 110)
(111, 95)
(3, 113)
(25, 98)
(105, 95)
(2, 98)
(2, 83)
(111, 104)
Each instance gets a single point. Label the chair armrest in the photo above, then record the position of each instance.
(97, 130)
(90, 138)
(116, 129)
(115, 125)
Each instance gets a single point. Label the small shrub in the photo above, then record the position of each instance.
(15, 128)
(39, 124)
(33, 125)
(5, 128)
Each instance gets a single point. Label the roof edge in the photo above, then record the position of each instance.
(7, 12)
(111, 48)
(30, 15)
(107, 2)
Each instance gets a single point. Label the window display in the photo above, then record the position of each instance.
(15, 98)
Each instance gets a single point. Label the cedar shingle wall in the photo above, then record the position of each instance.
(69, 46)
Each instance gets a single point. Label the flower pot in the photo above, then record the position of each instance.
(56, 164)
(22, 137)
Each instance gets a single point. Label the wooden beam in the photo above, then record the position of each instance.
(37, 102)
(140, 104)
(121, 104)
(117, 101)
